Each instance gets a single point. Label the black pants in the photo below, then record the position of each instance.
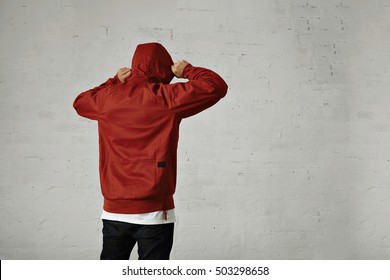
(154, 241)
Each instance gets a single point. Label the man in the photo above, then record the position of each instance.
(139, 113)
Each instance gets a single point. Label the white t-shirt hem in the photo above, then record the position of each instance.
(150, 218)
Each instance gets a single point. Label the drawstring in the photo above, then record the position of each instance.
(165, 215)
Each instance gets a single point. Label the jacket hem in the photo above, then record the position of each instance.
(130, 206)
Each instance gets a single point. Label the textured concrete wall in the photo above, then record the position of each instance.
(293, 164)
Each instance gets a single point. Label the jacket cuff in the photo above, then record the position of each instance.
(186, 70)
(116, 79)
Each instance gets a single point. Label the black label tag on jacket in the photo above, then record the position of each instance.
(161, 164)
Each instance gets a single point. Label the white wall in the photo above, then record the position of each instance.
(293, 164)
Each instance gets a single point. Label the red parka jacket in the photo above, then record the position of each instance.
(138, 124)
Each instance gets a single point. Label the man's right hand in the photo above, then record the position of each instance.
(123, 74)
(178, 68)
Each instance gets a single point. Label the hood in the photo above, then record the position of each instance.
(153, 61)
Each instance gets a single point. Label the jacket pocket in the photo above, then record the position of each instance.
(130, 180)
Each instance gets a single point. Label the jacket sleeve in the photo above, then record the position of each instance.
(89, 103)
(204, 89)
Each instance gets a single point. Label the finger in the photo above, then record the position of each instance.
(123, 70)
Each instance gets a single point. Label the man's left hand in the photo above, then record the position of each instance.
(123, 74)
